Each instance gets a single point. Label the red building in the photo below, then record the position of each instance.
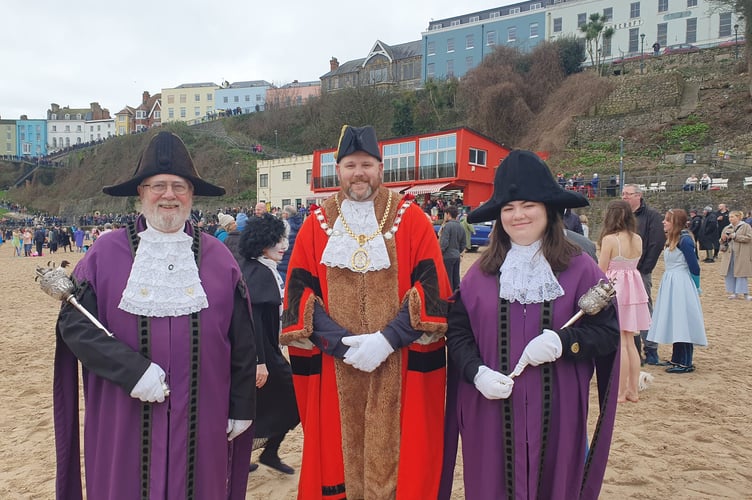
(459, 162)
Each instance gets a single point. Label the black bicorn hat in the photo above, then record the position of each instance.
(353, 139)
(165, 154)
(524, 176)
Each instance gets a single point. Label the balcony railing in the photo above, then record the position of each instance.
(445, 170)
(440, 171)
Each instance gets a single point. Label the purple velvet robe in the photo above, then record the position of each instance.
(112, 422)
(568, 471)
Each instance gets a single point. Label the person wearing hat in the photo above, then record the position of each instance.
(226, 225)
(364, 317)
(169, 395)
(519, 382)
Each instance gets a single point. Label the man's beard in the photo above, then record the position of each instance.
(166, 222)
(360, 197)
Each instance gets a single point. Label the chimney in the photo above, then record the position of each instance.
(333, 64)
(145, 97)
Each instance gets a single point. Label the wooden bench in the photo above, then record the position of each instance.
(747, 182)
(718, 184)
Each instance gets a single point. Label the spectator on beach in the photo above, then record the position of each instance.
(226, 223)
(621, 248)
(585, 227)
(28, 239)
(723, 221)
(17, 243)
(572, 221)
(452, 240)
(650, 229)
(292, 220)
(677, 316)
(709, 234)
(736, 245)
(78, 235)
(260, 209)
(40, 238)
(262, 245)
(169, 395)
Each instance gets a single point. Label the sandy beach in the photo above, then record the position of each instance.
(688, 437)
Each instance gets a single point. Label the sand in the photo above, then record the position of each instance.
(688, 437)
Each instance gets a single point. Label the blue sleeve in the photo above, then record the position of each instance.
(687, 246)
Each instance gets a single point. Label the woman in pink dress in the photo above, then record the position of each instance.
(621, 248)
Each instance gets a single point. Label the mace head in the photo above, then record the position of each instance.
(598, 297)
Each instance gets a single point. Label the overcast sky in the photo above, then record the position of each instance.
(84, 51)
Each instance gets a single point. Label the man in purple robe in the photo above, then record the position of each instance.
(169, 395)
(518, 381)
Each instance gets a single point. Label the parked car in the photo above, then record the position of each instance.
(479, 239)
(681, 48)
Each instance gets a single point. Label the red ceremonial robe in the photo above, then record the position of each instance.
(373, 434)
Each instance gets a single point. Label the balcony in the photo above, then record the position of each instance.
(441, 171)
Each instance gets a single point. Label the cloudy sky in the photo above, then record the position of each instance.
(75, 53)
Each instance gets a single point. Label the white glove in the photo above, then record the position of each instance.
(492, 384)
(150, 387)
(237, 427)
(367, 351)
(544, 348)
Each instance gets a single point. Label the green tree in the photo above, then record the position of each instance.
(595, 31)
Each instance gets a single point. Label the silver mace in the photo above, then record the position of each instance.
(57, 284)
(596, 299)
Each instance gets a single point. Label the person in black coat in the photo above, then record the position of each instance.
(262, 245)
(709, 233)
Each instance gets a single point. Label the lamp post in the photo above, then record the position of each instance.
(621, 162)
(642, 52)
(736, 41)
(276, 144)
(237, 177)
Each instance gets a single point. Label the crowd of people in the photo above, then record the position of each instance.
(227, 330)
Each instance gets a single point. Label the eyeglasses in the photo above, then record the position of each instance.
(624, 193)
(161, 187)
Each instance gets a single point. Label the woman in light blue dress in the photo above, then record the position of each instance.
(677, 315)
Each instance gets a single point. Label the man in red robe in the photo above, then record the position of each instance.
(365, 318)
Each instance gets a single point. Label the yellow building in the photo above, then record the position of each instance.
(190, 102)
(286, 181)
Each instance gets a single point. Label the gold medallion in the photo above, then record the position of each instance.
(359, 260)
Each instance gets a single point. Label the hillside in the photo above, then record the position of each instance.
(691, 103)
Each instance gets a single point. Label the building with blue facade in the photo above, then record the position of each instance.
(31, 137)
(453, 46)
(249, 96)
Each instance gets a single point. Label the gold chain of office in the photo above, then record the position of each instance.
(360, 258)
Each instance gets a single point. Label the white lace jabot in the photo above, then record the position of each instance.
(164, 279)
(341, 246)
(526, 276)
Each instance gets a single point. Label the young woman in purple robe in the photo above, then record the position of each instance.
(519, 382)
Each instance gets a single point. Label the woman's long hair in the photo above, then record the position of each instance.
(619, 217)
(556, 248)
(678, 219)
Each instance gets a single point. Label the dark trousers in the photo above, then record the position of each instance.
(682, 353)
(650, 346)
(452, 266)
